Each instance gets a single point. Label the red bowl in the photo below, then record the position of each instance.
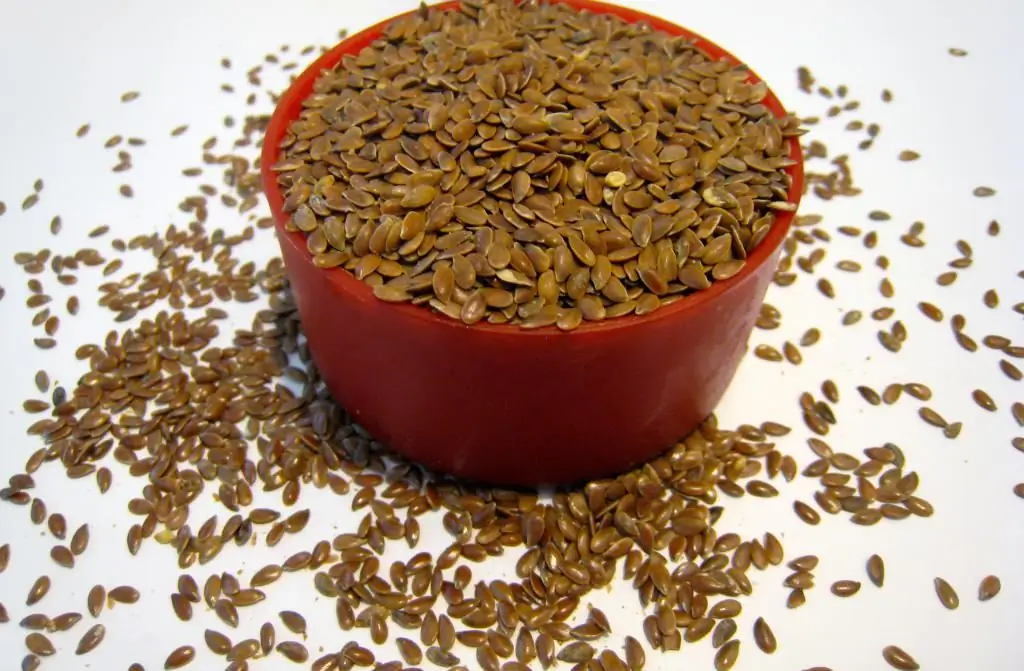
(514, 407)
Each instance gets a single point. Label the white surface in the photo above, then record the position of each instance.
(66, 63)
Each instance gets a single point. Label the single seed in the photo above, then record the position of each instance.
(947, 595)
(91, 639)
(984, 191)
(897, 658)
(38, 590)
(727, 655)
(180, 657)
(989, 588)
(35, 621)
(65, 621)
(181, 606)
(876, 570)
(764, 637)
(62, 556)
(80, 540)
(806, 513)
(97, 597)
(218, 643)
(124, 594)
(293, 651)
(845, 588)
(932, 417)
(768, 353)
(38, 644)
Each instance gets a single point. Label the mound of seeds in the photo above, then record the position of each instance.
(536, 165)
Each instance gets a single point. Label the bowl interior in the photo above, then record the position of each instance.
(290, 105)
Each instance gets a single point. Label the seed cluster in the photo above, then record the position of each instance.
(239, 423)
(535, 165)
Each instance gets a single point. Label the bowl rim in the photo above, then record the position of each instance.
(344, 281)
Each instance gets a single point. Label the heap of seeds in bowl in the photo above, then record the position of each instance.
(534, 164)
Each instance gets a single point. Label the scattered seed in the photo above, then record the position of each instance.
(897, 658)
(38, 644)
(989, 588)
(62, 556)
(727, 655)
(80, 540)
(123, 594)
(180, 657)
(984, 191)
(293, 651)
(845, 588)
(97, 597)
(38, 590)
(947, 595)
(91, 639)
(876, 570)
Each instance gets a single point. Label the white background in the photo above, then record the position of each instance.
(66, 63)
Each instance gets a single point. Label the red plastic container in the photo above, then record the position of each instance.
(514, 407)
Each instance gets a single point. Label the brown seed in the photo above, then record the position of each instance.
(983, 400)
(869, 395)
(35, 621)
(845, 587)
(764, 636)
(947, 595)
(984, 191)
(91, 639)
(180, 657)
(227, 612)
(295, 622)
(876, 570)
(908, 155)
(243, 650)
(218, 643)
(65, 621)
(810, 337)
(724, 631)
(124, 594)
(267, 637)
(767, 353)
(989, 588)
(727, 655)
(761, 489)
(409, 651)
(38, 644)
(181, 606)
(80, 540)
(932, 417)
(636, 659)
(97, 597)
(38, 590)
(806, 513)
(897, 658)
(62, 556)
(917, 390)
(37, 511)
(293, 651)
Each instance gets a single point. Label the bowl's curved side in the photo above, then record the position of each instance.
(509, 406)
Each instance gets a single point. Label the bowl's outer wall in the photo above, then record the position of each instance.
(508, 406)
